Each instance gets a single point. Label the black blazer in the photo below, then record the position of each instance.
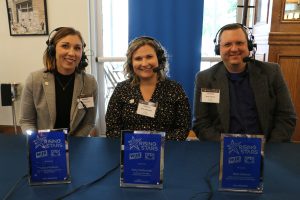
(276, 112)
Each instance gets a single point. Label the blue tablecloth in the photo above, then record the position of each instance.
(191, 172)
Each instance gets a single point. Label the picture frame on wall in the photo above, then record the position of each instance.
(27, 17)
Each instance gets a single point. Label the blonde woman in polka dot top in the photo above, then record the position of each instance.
(148, 100)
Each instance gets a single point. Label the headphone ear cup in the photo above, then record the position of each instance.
(84, 61)
(51, 50)
(250, 45)
(217, 49)
(161, 56)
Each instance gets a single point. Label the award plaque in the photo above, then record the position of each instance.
(48, 157)
(142, 159)
(241, 163)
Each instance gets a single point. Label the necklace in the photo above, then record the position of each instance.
(64, 86)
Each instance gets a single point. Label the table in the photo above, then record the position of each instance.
(191, 172)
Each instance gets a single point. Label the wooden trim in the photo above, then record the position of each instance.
(285, 33)
(284, 38)
(10, 130)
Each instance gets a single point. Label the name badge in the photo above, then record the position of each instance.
(210, 95)
(87, 102)
(146, 108)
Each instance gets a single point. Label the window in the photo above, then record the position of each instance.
(115, 27)
(112, 41)
(24, 10)
(217, 13)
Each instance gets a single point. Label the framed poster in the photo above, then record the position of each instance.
(27, 17)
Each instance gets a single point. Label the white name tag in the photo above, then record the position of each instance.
(210, 95)
(146, 108)
(88, 102)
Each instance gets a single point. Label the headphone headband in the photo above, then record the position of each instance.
(147, 38)
(160, 51)
(49, 37)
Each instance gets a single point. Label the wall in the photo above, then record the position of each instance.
(284, 48)
(19, 55)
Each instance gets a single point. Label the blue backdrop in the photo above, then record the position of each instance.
(177, 24)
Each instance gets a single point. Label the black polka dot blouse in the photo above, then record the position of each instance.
(173, 114)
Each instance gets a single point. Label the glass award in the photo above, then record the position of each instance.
(142, 159)
(241, 163)
(48, 157)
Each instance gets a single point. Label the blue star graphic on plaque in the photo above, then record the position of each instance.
(40, 141)
(233, 147)
(134, 143)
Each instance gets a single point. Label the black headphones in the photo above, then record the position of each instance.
(250, 37)
(51, 49)
(162, 59)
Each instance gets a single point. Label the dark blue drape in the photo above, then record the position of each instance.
(177, 24)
